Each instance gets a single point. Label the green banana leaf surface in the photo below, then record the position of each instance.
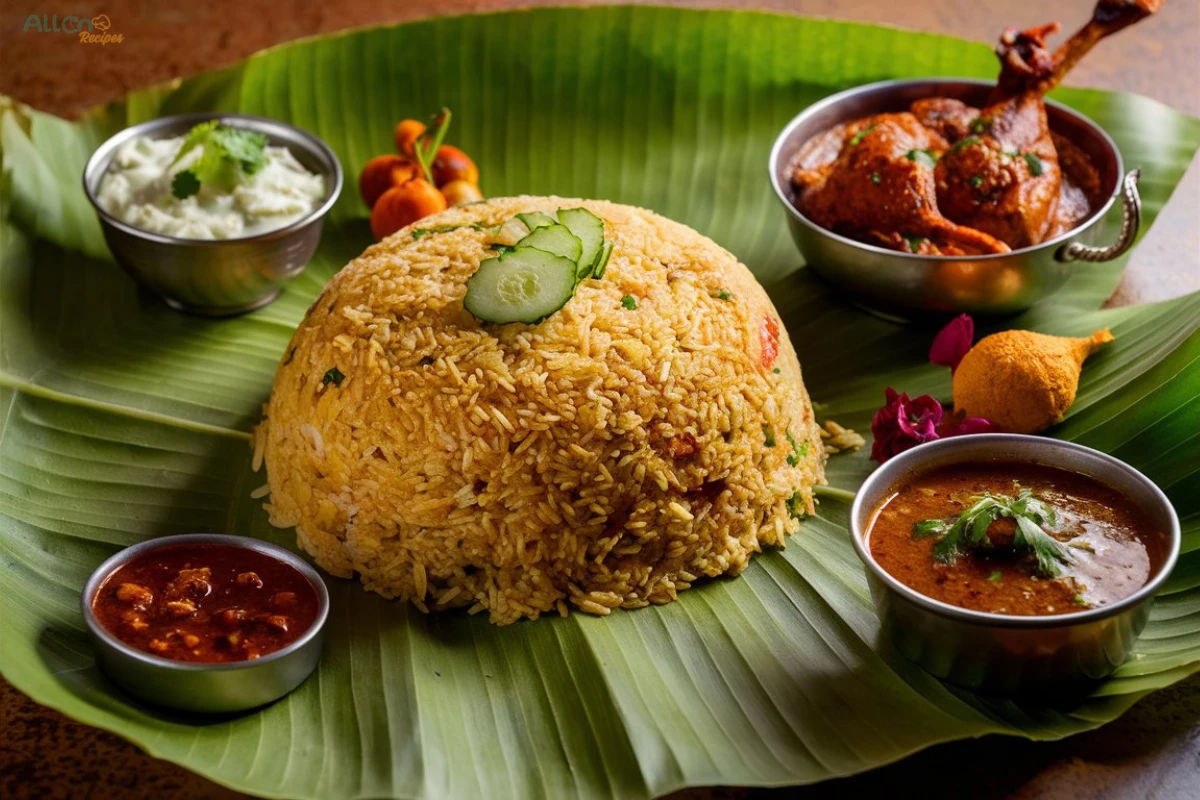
(121, 420)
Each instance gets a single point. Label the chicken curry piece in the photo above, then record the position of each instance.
(945, 178)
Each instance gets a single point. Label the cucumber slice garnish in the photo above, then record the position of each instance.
(590, 231)
(602, 260)
(556, 239)
(511, 232)
(536, 219)
(524, 285)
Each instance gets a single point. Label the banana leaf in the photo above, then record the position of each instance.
(123, 420)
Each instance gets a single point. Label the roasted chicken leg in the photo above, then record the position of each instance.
(949, 179)
(1004, 177)
(872, 181)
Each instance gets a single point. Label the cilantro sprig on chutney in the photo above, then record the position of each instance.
(229, 155)
(976, 527)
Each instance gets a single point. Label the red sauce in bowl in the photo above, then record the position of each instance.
(206, 603)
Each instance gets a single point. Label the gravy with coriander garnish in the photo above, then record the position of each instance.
(1015, 538)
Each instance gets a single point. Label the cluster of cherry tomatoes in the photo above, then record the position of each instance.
(422, 178)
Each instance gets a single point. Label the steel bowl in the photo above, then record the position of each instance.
(910, 286)
(218, 277)
(999, 653)
(200, 687)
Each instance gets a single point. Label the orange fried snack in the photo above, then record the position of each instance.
(1023, 382)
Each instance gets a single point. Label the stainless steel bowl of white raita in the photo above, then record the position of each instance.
(213, 212)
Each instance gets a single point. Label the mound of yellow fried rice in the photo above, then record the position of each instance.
(607, 457)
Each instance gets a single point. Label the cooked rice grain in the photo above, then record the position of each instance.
(605, 458)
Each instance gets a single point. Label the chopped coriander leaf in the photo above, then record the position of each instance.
(964, 143)
(876, 178)
(629, 302)
(247, 148)
(420, 232)
(723, 295)
(976, 181)
(1080, 600)
(1035, 164)
(970, 529)
(996, 576)
(333, 376)
(228, 155)
(914, 242)
(799, 450)
(930, 527)
(768, 436)
(185, 184)
(795, 506)
(981, 125)
(1048, 550)
(858, 137)
(776, 370)
(925, 158)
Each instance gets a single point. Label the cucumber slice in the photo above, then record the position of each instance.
(536, 219)
(602, 260)
(512, 232)
(556, 239)
(524, 285)
(590, 231)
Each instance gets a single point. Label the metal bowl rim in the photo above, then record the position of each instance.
(918, 454)
(122, 557)
(833, 99)
(316, 144)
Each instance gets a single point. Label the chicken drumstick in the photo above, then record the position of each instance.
(1003, 177)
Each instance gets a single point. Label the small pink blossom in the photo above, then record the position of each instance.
(953, 425)
(953, 342)
(905, 422)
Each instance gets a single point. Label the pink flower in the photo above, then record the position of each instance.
(956, 426)
(953, 342)
(904, 423)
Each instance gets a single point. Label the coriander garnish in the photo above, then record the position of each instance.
(723, 295)
(793, 506)
(799, 450)
(964, 143)
(421, 232)
(629, 302)
(925, 158)
(858, 137)
(229, 155)
(333, 376)
(970, 529)
(876, 178)
(996, 576)
(768, 436)
(1035, 164)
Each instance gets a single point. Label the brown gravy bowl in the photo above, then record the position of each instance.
(1111, 547)
(1006, 653)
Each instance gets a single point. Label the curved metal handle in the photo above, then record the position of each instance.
(1130, 222)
